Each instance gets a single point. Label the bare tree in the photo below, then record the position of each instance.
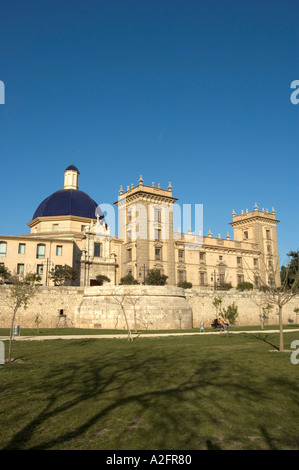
(123, 297)
(276, 291)
(133, 300)
(119, 296)
(265, 308)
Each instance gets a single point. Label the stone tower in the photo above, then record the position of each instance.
(146, 227)
(258, 228)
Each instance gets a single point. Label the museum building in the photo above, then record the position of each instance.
(69, 228)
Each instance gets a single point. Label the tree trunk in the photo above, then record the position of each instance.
(130, 338)
(11, 332)
(281, 343)
(135, 318)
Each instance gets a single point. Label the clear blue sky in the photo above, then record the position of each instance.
(188, 91)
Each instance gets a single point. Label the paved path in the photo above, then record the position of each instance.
(145, 335)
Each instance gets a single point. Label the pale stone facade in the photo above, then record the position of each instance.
(68, 228)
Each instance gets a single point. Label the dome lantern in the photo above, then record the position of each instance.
(71, 177)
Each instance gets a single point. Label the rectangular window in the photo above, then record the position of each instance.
(240, 278)
(239, 261)
(3, 248)
(58, 250)
(202, 256)
(129, 254)
(97, 250)
(268, 235)
(246, 235)
(20, 269)
(22, 248)
(158, 217)
(39, 269)
(40, 251)
(157, 234)
(55, 227)
(255, 262)
(202, 279)
(181, 255)
(181, 276)
(158, 253)
(271, 281)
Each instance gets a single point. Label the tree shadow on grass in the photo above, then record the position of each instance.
(264, 338)
(176, 403)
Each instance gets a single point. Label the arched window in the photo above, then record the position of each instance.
(3, 249)
(40, 251)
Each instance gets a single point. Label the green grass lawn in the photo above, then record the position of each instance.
(95, 331)
(171, 393)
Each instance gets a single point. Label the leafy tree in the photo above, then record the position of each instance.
(5, 274)
(128, 280)
(217, 303)
(230, 314)
(21, 292)
(155, 278)
(62, 274)
(289, 273)
(101, 278)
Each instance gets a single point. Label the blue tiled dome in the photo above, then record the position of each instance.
(68, 202)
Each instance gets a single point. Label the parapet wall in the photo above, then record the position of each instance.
(149, 307)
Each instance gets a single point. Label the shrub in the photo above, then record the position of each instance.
(101, 278)
(155, 278)
(245, 286)
(128, 280)
(226, 286)
(185, 285)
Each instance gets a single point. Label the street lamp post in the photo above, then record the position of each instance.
(144, 269)
(215, 279)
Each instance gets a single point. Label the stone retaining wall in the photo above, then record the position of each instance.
(47, 304)
(146, 307)
(248, 303)
(157, 307)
